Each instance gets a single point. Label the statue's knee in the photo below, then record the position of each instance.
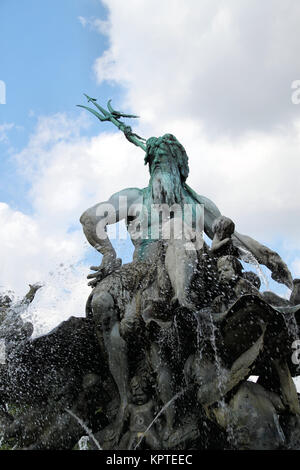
(103, 309)
(102, 301)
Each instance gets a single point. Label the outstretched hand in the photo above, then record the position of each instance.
(108, 266)
(281, 273)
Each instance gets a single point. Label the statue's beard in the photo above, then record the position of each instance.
(166, 187)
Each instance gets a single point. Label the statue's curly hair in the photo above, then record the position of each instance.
(176, 150)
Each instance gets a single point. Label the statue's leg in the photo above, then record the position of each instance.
(165, 389)
(106, 320)
(124, 444)
(181, 261)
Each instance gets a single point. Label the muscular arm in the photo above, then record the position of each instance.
(95, 219)
(94, 222)
(262, 254)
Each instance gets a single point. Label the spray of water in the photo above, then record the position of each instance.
(177, 346)
(84, 426)
(221, 379)
(83, 443)
(159, 413)
(199, 334)
(250, 258)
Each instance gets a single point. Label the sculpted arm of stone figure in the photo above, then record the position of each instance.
(263, 254)
(95, 220)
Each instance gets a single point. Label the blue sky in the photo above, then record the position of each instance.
(216, 74)
(46, 63)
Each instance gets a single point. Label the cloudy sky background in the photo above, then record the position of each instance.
(217, 74)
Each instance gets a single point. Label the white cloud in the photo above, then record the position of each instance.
(67, 174)
(4, 129)
(228, 64)
(82, 20)
(296, 267)
(252, 179)
(218, 75)
(95, 24)
(31, 252)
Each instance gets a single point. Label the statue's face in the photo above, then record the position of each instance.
(165, 181)
(226, 271)
(139, 397)
(162, 160)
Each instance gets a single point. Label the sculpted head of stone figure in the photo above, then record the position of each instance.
(168, 167)
(139, 390)
(223, 227)
(229, 268)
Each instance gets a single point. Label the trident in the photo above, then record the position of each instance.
(114, 116)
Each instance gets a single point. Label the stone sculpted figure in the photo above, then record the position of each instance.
(162, 359)
(141, 413)
(223, 229)
(164, 221)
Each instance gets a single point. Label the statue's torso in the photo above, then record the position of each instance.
(146, 221)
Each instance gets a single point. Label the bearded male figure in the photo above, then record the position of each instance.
(160, 229)
(165, 235)
(150, 227)
(167, 195)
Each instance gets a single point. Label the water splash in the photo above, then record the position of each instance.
(84, 426)
(250, 258)
(213, 343)
(64, 294)
(279, 428)
(83, 443)
(199, 333)
(177, 337)
(221, 380)
(160, 413)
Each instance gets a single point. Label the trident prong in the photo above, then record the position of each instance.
(118, 114)
(102, 118)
